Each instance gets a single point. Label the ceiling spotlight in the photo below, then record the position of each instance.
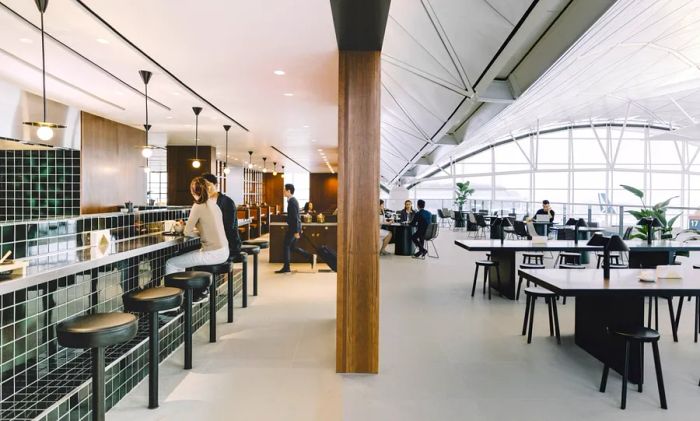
(102, 41)
(279, 72)
(313, 140)
(320, 150)
(26, 40)
(288, 94)
(169, 117)
(306, 126)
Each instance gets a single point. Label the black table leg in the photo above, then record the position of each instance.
(594, 315)
(507, 284)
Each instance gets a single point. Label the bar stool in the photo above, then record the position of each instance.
(614, 259)
(531, 295)
(568, 257)
(520, 278)
(263, 244)
(697, 312)
(254, 250)
(219, 269)
(151, 301)
(97, 331)
(653, 306)
(537, 257)
(242, 258)
(189, 281)
(486, 264)
(639, 336)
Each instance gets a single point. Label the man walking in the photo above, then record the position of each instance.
(421, 221)
(293, 231)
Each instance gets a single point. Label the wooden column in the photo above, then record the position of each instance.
(357, 335)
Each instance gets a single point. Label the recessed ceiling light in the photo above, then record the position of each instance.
(313, 140)
(279, 72)
(102, 41)
(288, 94)
(306, 126)
(320, 150)
(176, 93)
(26, 40)
(169, 117)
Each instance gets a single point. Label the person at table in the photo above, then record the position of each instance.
(546, 210)
(384, 235)
(206, 220)
(228, 212)
(309, 208)
(293, 231)
(421, 221)
(407, 212)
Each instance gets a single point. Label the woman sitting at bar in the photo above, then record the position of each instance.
(205, 217)
(309, 208)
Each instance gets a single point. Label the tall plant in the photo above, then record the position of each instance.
(462, 193)
(657, 211)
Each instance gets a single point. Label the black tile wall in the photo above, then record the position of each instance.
(41, 380)
(39, 184)
(35, 238)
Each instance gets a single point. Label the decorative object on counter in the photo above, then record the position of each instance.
(227, 170)
(320, 218)
(274, 169)
(45, 129)
(613, 243)
(650, 223)
(250, 160)
(129, 206)
(306, 218)
(196, 163)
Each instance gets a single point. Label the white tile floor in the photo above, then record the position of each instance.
(443, 357)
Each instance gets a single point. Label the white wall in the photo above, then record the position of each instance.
(234, 184)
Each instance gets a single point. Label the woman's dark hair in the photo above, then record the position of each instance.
(289, 188)
(381, 202)
(198, 187)
(307, 206)
(545, 202)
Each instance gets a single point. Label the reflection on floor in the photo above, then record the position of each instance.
(443, 356)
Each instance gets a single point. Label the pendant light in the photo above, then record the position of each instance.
(45, 129)
(282, 175)
(227, 170)
(250, 160)
(196, 163)
(274, 169)
(146, 152)
(264, 164)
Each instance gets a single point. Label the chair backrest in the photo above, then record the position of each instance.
(440, 214)
(628, 233)
(472, 218)
(431, 232)
(480, 220)
(519, 228)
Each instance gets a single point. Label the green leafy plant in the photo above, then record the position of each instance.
(657, 211)
(462, 193)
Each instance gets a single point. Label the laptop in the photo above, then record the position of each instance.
(541, 218)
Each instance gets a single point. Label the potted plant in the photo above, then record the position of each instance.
(657, 211)
(462, 193)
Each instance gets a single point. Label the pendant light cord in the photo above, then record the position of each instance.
(226, 148)
(43, 64)
(196, 137)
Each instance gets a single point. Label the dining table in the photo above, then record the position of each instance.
(401, 238)
(602, 305)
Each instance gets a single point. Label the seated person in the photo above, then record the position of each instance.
(207, 219)
(228, 212)
(309, 208)
(421, 221)
(546, 210)
(407, 212)
(384, 235)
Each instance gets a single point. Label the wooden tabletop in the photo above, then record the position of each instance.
(621, 282)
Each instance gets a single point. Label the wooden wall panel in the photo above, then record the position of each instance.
(110, 164)
(324, 191)
(181, 172)
(357, 325)
(273, 193)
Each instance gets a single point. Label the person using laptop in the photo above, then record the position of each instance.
(546, 210)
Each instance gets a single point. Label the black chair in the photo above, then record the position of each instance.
(97, 331)
(568, 257)
(481, 224)
(520, 278)
(653, 307)
(637, 336)
(225, 268)
(520, 230)
(537, 257)
(189, 281)
(697, 312)
(443, 217)
(151, 301)
(254, 250)
(614, 258)
(431, 234)
(531, 296)
(487, 265)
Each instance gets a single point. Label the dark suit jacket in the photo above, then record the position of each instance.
(421, 221)
(293, 219)
(406, 216)
(230, 217)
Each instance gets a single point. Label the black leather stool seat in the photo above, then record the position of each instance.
(218, 269)
(570, 254)
(188, 280)
(263, 244)
(248, 249)
(571, 266)
(533, 255)
(532, 294)
(153, 299)
(531, 266)
(538, 292)
(486, 263)
(639, 334)
(97, 330)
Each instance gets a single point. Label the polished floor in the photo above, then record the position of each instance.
(443, 357)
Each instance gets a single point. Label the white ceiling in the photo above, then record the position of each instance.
(224, 50)
(640, 62)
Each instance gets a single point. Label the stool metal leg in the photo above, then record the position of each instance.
(188, 329)
(527, 313)
(532, 318)
(556, 320)
(245, 282)
(641, 367)
(229, 287)
(476, 275)
(697, 318)
(625, 375)
(255, 274)
(604, 379)
(212, 309)
(98, 384)
(659, 374)
(153, 360)
(548, 301)
(674, 326)
(517, 293)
